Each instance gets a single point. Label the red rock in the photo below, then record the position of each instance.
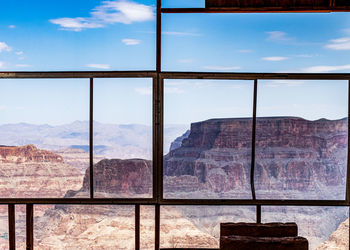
(28, 153)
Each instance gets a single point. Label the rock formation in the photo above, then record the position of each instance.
(339, 239)
(28, 172)
(292, 154)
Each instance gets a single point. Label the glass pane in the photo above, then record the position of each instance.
(77, 35)
(20, 217)
(183, 3)
(211, 158)
(256, 42)
(85, 227)
(44, 133)
(301, 139)
(123, 137)
(147, 227)
(4, 228)
(316, 224)
(198, 226)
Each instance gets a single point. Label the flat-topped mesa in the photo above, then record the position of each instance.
(131, 176)
(291, 153)
(27, 153)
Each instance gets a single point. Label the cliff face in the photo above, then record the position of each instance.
(291, 154)
(121, 177)
(338, 239)
(28, 153)
(27, 171)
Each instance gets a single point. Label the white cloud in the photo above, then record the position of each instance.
(274, 58)
(110, 12)
(304, 56)
(185, 60)
(76, 24)
(144, 91)
(2, 65)
(277, 36)
(23, 65)
(12, 26)
(19, 53)
(284, 83)
(245, 51)
(177, 33)
(339, 44)
(325, 68)
(222, 68)
(98, 66)
(128, 41)
(4, 47)
(173, 90)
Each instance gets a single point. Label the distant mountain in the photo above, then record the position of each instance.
(110, 140)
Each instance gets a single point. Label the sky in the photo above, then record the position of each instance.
(56, 35)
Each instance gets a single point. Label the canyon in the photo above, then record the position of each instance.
(295, 159)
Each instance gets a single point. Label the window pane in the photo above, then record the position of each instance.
(85, 227)
(315, 223)
(264, 42)
(123, 137)
(77, 35)
(198, 226)
(210, 156)
(183, 3)
(301, 139)
(147, 227)
(44, 133)
(4, 229)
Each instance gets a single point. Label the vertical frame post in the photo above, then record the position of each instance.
(12, 226)
(137, 227)
(29, 227)
(91, 138)
(157, 227)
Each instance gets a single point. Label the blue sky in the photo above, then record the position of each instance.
(120, 35)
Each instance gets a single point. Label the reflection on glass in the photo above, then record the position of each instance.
(122, 138)
(301, 140)
(84, 227)
(198, 226)
(207, 138)
(315, 223)
(44, 137)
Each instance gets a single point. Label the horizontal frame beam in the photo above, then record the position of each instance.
(78, 74)
(257, 10)
(173, 202)
(254, 76)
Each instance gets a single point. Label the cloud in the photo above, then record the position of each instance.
(173, 90)
(177, 33)
(4, 47)
(277, 36)
(144, 91)
(284, 83)
(222, 68)
(325, 68)
(19, 53)
(99, 66)
(245, 51)
(274, 58)
(128, 41)
(110, 12)
(185, 60)
(2, 65)
(339, 44)
(76, 24)
(12, 26)
(304, 56)
(23, 65)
